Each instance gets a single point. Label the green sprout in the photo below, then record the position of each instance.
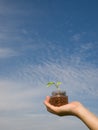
(57, 84)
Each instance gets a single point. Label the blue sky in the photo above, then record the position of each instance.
(42, 41)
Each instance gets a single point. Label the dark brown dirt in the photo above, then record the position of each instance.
(58, 100)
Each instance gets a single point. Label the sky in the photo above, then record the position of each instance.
(43, 41)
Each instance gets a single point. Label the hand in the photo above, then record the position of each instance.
(76, 109)
(68, 109)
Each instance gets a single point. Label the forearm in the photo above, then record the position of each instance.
(87, 117)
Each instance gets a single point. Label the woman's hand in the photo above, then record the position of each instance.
(75, 109)
(68, 109)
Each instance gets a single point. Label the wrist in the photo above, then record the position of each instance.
(77, 109)
(80, 111)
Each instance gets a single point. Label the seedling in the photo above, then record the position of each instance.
(56, 84)
(57, 98)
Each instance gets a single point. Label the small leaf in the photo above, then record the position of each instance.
(50, 83)
(58, 83)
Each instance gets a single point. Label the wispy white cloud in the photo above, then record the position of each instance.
(76, 37)
(41, 122)
(16, 96)
(7, 52)
(75, 79)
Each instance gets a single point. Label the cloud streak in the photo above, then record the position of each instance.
(7, 52)
(35, 122)
(81, 79)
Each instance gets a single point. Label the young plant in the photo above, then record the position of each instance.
(56, 84)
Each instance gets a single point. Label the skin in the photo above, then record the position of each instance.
(74, 109)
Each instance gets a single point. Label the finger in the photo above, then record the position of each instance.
(47, 98)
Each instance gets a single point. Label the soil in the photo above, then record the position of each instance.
(58, 100)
